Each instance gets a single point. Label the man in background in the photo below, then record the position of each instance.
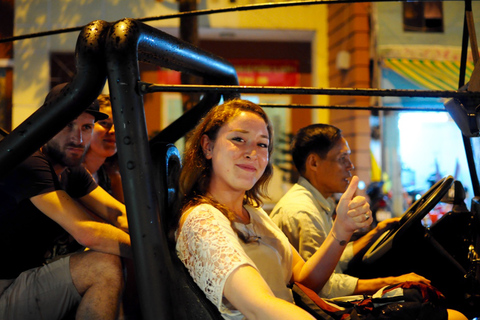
(306, 212)
(43, 205)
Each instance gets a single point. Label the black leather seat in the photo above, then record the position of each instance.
(189, 301)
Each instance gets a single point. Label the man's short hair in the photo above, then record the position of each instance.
(318, 138)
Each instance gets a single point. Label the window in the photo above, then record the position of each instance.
(423, 16)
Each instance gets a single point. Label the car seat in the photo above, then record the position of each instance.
(189, 301)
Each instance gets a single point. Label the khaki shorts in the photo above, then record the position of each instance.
(46, 292)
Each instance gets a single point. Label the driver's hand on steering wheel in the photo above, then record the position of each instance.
(412, 276)
(386, 224)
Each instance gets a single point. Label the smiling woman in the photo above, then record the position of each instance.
(198, 172)
(241, 153)
(235, 253)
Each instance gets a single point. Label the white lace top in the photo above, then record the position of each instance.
(211, 251)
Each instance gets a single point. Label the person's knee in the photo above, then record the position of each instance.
(108, 267)
(96, 268)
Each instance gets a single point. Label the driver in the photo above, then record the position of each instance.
(306, 212)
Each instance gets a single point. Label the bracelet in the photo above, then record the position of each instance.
(341, 242)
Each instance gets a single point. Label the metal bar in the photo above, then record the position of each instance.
(189, 119)
(128, 42)
(159, 48)
(461, 82)
(149, 245)
(148, 88)
(471, 31)
(185, 123)
(346, 107)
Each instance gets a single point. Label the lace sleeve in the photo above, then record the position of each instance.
(210, 249)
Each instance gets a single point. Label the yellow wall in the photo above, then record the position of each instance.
(299, 18)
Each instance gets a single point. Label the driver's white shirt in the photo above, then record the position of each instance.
(305, 216)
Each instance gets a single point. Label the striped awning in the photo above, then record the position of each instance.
(429, 74)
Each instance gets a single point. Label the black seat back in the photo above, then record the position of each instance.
(189, 301)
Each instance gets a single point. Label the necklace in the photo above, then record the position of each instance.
(248, 229)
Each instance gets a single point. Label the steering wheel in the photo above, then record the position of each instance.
(411, 217)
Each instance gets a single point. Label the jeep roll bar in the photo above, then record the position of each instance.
(112, 50)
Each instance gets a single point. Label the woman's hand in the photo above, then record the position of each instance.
(353, 213)
(248, 292)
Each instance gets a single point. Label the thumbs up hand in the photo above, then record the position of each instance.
(353, 213)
